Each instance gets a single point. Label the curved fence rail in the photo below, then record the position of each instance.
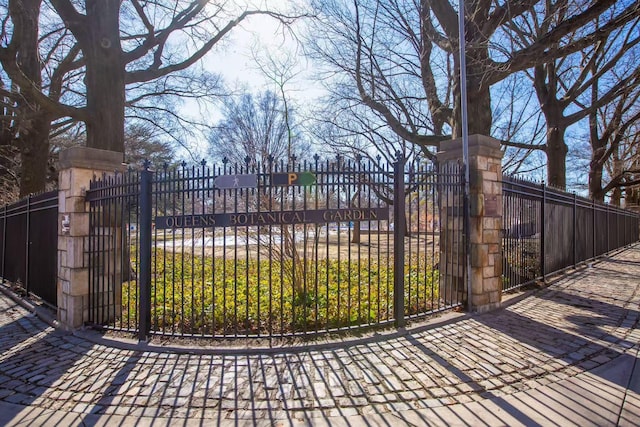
(269, 250)
(546, 230)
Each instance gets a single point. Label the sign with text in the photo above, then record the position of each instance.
(236, 181)
(292, 178)
(252, 219)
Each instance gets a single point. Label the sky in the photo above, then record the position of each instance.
(262, 38)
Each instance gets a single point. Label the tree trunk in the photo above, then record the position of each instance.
(9, 184)
(617, 167)
(105, 78)
(478, 94)
(34, 156)
(546, 85)
(596, 167)
(479, 110)
(632, 197)
(355, 237)
(479, 115)
(595, 182)
(556, 155)
(34, 125)
(598, 149)
(632, 194)
(616, 196)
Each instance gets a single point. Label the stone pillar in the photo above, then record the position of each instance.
(485, 172)
(77, 166)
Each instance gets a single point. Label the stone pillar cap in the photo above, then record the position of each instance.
(479, 145)
(91, 158)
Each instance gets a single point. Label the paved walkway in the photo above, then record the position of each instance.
(564, 355)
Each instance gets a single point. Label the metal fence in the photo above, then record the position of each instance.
(546, 230)
(29, 245)
(269, 250)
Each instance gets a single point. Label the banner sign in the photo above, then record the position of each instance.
(253, 219)
(236, 181)
(292, 178)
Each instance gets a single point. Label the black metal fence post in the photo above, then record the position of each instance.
(575, 237)
(399, 220)
(593, 231)
(625, 232)
(144, 301)
(466, 233)
(618, 239)
(4, 241)
(608, 228)
(27, 246)
(543, 230)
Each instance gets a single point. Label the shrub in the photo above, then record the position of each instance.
(212, 296)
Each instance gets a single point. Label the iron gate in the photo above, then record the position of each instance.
(270, 249)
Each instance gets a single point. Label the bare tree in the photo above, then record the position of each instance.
(517, 117)
(36, 67)
(614, 132)
(106, 60)
(401, 56)
(129, 43)
(280, 71)
(572, 87)
(259, 126)
(632, 190)
(372, 50)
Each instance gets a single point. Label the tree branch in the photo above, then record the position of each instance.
(581, 85)
(382, 109)
(73, 20)
(154, 73)
(447, 17)
(524, 146)
(619, 89)
(508, 11)
(56, 109)
(547, 47)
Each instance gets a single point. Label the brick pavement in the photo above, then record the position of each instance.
(579, 323)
